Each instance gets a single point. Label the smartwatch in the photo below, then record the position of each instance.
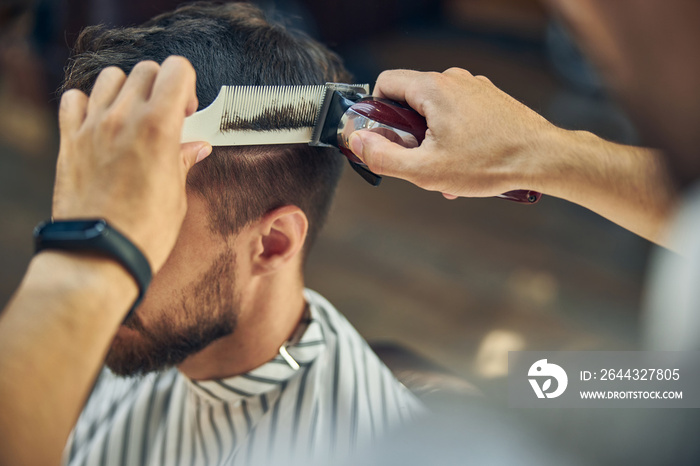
(97, 237)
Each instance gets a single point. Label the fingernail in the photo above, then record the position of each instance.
(355, 143)
(203, 153)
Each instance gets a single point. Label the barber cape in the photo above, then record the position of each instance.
(340, 399)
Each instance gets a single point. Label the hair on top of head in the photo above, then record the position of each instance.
(231, 44)
(228, 44)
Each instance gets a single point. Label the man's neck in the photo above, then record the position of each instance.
(270, 311)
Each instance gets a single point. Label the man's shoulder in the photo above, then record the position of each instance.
(355, 383)
(350, 355)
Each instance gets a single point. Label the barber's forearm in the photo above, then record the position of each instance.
(627, 185)
(482, 142)
(54, 334)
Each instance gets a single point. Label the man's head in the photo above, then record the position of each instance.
(251, 211)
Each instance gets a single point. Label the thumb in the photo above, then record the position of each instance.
(382, 156)
(194, 152)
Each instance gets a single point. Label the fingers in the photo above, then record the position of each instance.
(392, 84)
(382, 156)
(418, 89)
(140, 81)
(403, 86)
(194, 152)
(174, 91)
(72, 111)
(106, 88)
(170, 85)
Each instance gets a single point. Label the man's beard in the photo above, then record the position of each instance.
(207, 311)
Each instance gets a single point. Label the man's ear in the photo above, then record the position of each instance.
(280, 237)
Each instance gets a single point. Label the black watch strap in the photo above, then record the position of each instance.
(98, 237)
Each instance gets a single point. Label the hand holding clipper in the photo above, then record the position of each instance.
(399, 124)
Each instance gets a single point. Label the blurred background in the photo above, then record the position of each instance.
(460, 282)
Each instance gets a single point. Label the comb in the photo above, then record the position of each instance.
(261, 115)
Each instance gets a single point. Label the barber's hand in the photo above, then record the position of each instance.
(120, 155)
(480, 141)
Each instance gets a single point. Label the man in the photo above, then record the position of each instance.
(266, 371)
(663, 100)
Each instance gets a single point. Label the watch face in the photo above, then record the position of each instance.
(73, 229)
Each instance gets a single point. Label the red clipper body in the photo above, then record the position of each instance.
(396, 122)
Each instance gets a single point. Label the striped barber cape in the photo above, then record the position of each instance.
(339, 399)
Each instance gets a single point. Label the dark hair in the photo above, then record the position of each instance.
(231, 44)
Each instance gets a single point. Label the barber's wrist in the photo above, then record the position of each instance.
(564, 163)
(90, 283)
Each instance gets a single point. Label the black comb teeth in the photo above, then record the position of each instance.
(269, 108)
